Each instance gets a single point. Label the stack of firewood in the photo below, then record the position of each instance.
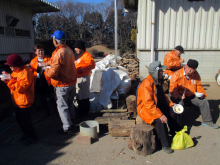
(131, 63)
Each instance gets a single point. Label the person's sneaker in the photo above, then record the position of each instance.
(211, 124)
(167, 150)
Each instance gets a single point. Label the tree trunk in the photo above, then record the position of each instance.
(130, 102)
(142, 140)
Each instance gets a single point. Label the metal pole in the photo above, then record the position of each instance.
(116, 31)
(152, 31)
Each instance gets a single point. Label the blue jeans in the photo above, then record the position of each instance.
(65, 96)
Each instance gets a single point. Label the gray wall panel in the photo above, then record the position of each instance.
(9, 45)
(209, 62)
(194, 25)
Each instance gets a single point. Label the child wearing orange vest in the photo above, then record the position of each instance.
(21, 85)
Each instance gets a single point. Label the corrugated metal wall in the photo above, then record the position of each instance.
(9, 45)
(209, 62)
(194, 25)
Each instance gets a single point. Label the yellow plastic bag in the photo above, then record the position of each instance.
(181, 140)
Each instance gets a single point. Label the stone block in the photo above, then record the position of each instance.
(84, 140)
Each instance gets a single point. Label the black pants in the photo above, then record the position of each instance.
(23, 117)
(83, 107)
(161, 128)
(42, 93)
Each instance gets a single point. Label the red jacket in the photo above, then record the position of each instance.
(179, 83)
(172, 63)
(22, 87)
(147, 101)
(86, 63)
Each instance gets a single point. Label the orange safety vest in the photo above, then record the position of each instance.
(21, 87)
(147, 101)
(34, 65)
(62, 69)
(172, 63)
(179, 83)
(86, 63)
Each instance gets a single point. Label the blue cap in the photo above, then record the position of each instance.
(59, 35)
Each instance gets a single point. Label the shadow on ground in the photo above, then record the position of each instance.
(49, 146)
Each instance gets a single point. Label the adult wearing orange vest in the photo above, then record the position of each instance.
(173, 60)
(84, 64)
(184, 85)
(43, 85)
(21, 85)
(154, 107)
(63, 76)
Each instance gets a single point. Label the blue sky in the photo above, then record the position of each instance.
(84, 1)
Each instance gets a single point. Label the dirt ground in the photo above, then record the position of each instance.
(102, 48)
(54, 149)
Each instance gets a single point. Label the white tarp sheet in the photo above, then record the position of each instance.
(107, 83)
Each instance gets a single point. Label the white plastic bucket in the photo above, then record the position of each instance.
(89, 128)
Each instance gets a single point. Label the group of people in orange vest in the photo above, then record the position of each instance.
(155, 107)
(65, 74)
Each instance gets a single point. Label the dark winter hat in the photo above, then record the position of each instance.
(80, 44)
(14, 60)
(192, 63)
(59, 35)
(180, 48)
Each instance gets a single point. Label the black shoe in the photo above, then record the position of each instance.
(167, 150)
(30, 141)
(23, 138)
(46, 114)
(66, 132)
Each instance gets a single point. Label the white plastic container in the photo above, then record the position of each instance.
(198, 94)
(89, 128)
(178, 108)
(40, 64)
(5, 76)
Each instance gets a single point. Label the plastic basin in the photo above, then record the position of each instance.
(89, 128)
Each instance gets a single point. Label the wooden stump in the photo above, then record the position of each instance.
(130, 102)
(119, 127)
(142, 140)
(139, 120)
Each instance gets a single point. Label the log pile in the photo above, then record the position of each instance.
(131, 63)
(129, 124)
